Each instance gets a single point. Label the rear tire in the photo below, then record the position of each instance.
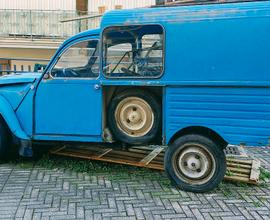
(4, 140)
(134, 116)
(195, 163)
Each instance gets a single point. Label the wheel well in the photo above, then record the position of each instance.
(109, 92)
(207, 132)
(2, 120)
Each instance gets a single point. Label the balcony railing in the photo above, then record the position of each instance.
(43, 24)
(22, 65)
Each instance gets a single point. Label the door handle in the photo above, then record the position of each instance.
(96, 86)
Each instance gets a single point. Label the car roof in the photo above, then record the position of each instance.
(154, 15)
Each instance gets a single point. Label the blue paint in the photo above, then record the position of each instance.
(216, 75)
(14, 93)
(237, 114)
(19, 78)
(68, 107)
(25, 113)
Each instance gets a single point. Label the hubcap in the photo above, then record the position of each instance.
(194, 164)
(134, 116)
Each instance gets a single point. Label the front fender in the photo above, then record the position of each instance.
(11, 119)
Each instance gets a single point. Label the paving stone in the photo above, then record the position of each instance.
(40, 193)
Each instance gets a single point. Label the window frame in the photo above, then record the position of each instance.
(68, 47)
(132, 77)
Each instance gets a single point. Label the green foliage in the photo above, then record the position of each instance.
(264, 174)
(114, 172)
(257, 204)
(229, 173)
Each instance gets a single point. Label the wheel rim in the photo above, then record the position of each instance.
(134, 116)
(194, 164)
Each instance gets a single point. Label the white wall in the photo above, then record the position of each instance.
(71, 4)
(94, 4)
(39, 4)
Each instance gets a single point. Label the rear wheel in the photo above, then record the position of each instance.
(134, 116)
(4, 140)
(195, 163)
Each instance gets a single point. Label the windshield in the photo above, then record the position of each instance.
(79, 60)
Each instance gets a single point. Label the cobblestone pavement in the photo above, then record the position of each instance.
(32, 191)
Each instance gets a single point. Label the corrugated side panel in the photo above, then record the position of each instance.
(237, 114)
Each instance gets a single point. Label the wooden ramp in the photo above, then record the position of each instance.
(241, 169)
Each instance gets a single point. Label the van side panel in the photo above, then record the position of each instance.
(222, 50)
(237, 114)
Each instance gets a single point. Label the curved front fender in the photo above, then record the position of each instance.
(11, 119)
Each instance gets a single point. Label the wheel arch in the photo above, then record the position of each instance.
(8, 116)
(200, 130)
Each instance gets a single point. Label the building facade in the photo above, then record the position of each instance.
(31, 30)
(93, 5)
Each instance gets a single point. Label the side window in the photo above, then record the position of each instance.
(116, 53)
(133, 51)
(152, 49)
(78, 61)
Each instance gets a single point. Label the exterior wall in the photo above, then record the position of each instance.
(71, 4)
(38, 4)
(93, 5)
(26, 53)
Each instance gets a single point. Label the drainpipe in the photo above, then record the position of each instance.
(81, 10)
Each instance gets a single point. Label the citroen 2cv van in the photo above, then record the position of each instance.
(194, 78)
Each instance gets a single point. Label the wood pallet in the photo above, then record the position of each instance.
(238, 169)
(243, 170)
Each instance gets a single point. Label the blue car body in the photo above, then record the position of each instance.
(216, 78)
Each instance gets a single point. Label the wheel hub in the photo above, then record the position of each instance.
(194, 164)
(134, 116)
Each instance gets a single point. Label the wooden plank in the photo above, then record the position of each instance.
(240, 179)
(127, 162)
(151, 156)
(105, 152)
(233, 160)
(161, 155)
(255, 170)
(238, 169)
(58, 149)
(238, 174)
(238, 165)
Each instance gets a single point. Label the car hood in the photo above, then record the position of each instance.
(19, 78)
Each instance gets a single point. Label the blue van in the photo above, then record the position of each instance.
(194, 78)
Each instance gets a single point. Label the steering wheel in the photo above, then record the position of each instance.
(67, 72)
(129, 72)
